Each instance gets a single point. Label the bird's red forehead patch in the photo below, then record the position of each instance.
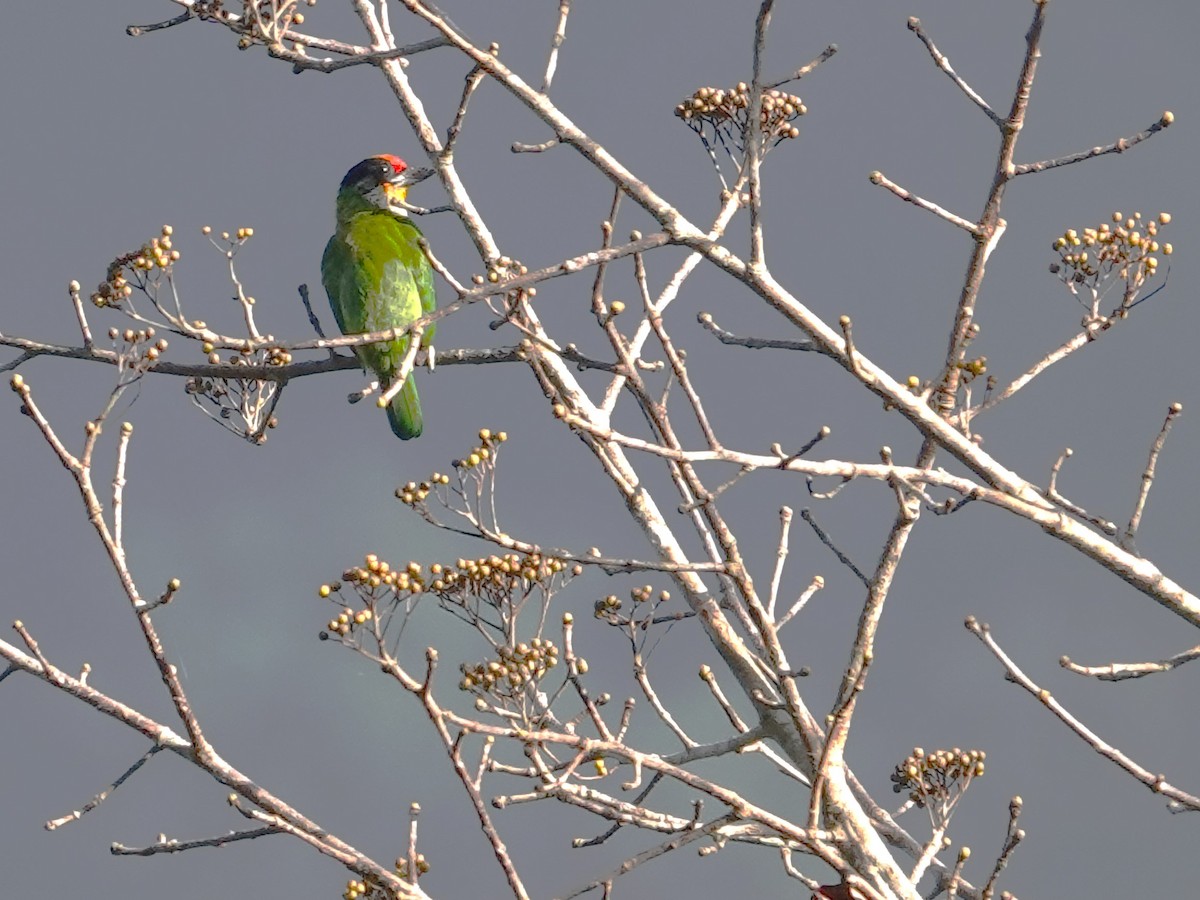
(398, 165)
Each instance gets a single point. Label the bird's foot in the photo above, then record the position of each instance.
(364, 393)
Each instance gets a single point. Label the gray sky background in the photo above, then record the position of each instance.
(107, 137)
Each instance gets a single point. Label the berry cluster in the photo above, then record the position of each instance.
(500, 268)
(402, 866)
(512, 670)
(607, 607)
(726, 112)
(973, 368)
(345, 621)
(489, 442)
(140, 344)
(156, 255)
(374, 581)
(248, 356)
(414, 494)
(1128, 247)
(375, 573)
(369, 888)
(250, 400)
(276, 356)
(240, 236)
(493, 579)
(938, 776)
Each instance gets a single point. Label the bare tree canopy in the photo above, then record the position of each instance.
(656, 592)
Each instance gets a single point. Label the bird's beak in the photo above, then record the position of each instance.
(396, 188)
(410, 176)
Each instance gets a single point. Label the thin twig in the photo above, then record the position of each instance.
(571, 662)
(312, 316)
(139, 30)
(826, 54)
(990, 225)
(1135, 518)
(850, 353)
(519, 147)
(1155, 782)
(301, 62)
(643, 680)
(197, 749)
(729, 206)
(172, 846)
(1077, 342)
(168, 739)
(1118, 146)
(955, 880)
(754, 343)
(1014, 837)
(77, 814)
(1052, 494)
(781, 552)
(560, 35)
(32, 645)
(651, 853)
(815, 585)
(674, 357)
(1122, 671)
(437, 717)
(806, 515)
(754, 135)
(474, 79)
(80, 315)
(440, 268)
(921, 203)
(414, 812)
(943, 63)
(118, 484)
(592, 748)
(709, 678)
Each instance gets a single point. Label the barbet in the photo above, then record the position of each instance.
(377, 277)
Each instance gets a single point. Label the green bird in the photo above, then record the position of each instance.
(377, 277)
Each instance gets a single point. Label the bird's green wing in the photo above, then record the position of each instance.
(377, 277)
(339, 276)
(423, 275)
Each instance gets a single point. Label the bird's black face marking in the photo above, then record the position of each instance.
(369, 174)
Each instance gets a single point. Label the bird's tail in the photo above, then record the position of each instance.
(404, 413)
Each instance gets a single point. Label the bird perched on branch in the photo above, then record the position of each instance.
(378, 277)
